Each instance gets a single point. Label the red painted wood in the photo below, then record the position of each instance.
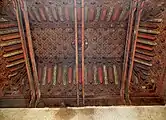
(49, 74)
(103, 14)
(100, 74)
(143, 57)
(91, 14)
(10, 36)
(146, 36)
(116, 12)
(144, 47)
(12, 47)
(70, 73)
(79, 14)
(39, 73)
(14, 58)
(80, 75)
(67, 13)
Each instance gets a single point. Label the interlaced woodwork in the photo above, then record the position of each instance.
(53, 35)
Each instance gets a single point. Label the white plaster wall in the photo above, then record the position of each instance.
(89, 113)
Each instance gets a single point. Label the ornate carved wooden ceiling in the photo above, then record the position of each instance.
(124, 58)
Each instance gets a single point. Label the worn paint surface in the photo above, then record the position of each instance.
(94, 113)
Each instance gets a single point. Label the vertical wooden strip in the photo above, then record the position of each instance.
(72, 13)
(97, 14)
(64, 75)
(31, 15)
(135, 38)
(49, 74)
(109, 14)
(48, 14)
(76, 49)
(95, 74)
(119, 72)
(31, 52)
(35, 11)
(79, 14)
(39, 72)
(86, 75)
(90, 76)
(59, 77)
(105, 74)
(116, 13)
(110, 74)
(44, 75)
(67, 13)
(24, 46)
(70, 74)
(123, 14)
(100, 74)
(74, 76)
(115, 74)
(86, 13)
(83, 53)
(91, 14)
(127, 47)
(80, 75)
(54, 13)
(42, 14)
(55, 75)
(60, 11)
(161, 84)
(103, 14)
